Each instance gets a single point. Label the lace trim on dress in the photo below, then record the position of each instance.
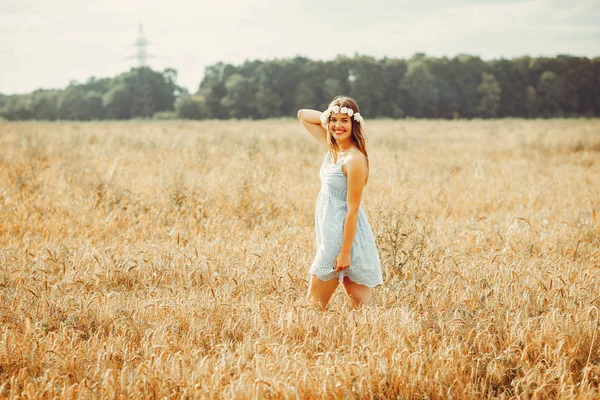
(368, 279)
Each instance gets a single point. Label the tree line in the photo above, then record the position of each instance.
(139, 93)
(423, 87)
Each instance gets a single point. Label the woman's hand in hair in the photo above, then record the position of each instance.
(311, 120)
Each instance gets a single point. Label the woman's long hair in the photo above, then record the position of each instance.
(358, 135)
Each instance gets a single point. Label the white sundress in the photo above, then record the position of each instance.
(330, 215)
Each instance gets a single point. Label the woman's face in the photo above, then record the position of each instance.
(340, 126)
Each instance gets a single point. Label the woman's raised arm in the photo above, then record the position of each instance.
(311, 120)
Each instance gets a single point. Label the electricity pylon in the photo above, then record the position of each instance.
(141, 43)
(143, 96)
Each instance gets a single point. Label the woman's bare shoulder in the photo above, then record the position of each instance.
(356, 158)
(355, 162)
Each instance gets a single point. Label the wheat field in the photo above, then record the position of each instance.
(170, 260)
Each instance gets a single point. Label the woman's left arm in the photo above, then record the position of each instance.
(356, 171)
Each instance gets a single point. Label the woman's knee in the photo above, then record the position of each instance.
(360, 294)
(319, 292)
(314, 303)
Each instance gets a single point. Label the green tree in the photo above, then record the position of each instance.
(268, 96)
(94, 107)
(301, 84)
(117, 102)
(44, 104)
(339, 70)
(141, 92)
(548, 94)
(79, 104)
(467, 72)
(489, 95)
(368, 86)
(17, 108)
(240, 101)
(212, 87)
(596, 87)
(193, 107)
(419, 86)
(449, 101)
(531, 102)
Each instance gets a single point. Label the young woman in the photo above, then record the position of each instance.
(346, 250)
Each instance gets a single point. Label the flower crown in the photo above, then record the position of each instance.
(343, 110)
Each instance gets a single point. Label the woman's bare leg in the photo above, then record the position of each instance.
(319, 292)
(359, 294)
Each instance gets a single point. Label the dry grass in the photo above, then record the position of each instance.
(170, 260)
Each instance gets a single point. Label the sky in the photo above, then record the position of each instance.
(47, 44)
